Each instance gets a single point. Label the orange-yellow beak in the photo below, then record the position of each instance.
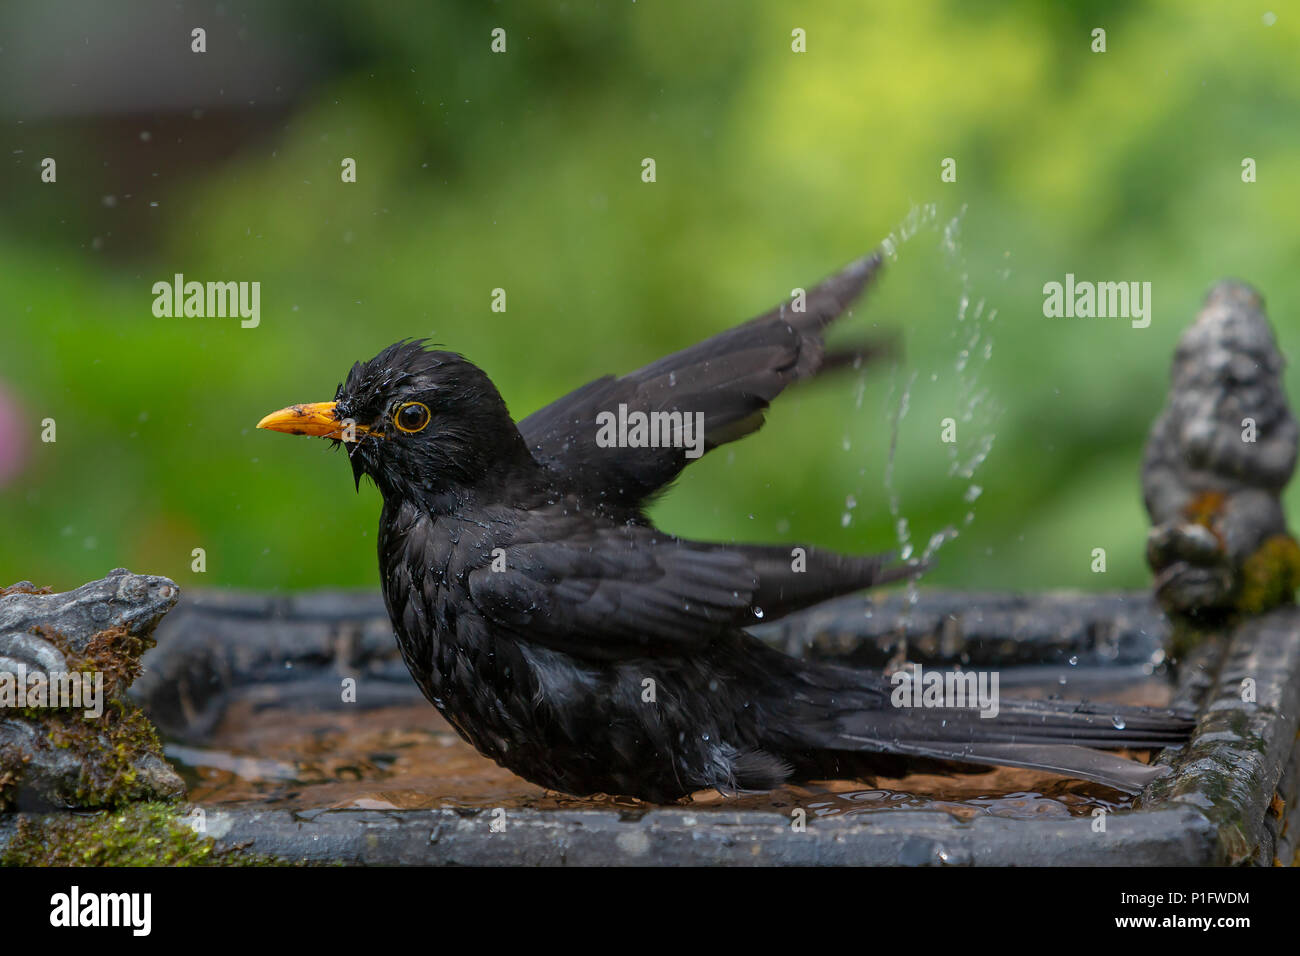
(318, 419)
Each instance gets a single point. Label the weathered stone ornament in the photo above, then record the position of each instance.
(1216, 462)
(68, 735)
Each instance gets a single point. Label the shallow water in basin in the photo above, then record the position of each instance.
(406, 757)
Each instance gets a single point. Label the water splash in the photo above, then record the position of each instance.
(975, 411)
(900, 412)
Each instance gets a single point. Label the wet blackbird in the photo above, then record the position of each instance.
(571, 641)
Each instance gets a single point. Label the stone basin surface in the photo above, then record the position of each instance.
(267, 665)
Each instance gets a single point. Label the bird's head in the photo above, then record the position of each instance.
(419, 422)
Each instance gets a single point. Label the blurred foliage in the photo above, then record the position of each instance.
(522, 171)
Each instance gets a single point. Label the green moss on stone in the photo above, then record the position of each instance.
(142, 834)
(111, 748)
(1270, 576)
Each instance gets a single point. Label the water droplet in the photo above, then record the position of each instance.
(1118, 722)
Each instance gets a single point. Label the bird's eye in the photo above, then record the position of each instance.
(411, 416)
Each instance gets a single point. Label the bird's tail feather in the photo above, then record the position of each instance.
(1057, 736)
(1071, 760)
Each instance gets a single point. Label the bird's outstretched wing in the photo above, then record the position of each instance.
(730, 378)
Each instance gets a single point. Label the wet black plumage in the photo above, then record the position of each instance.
(536, 605)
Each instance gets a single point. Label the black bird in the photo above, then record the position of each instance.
(574, 643)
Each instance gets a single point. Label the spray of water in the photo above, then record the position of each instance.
(972, 337)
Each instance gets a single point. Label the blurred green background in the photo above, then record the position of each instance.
(523, 171)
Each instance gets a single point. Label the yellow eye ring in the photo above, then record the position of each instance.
(411, 417)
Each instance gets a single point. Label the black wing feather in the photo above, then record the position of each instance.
(731, 378)
(615, 594)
